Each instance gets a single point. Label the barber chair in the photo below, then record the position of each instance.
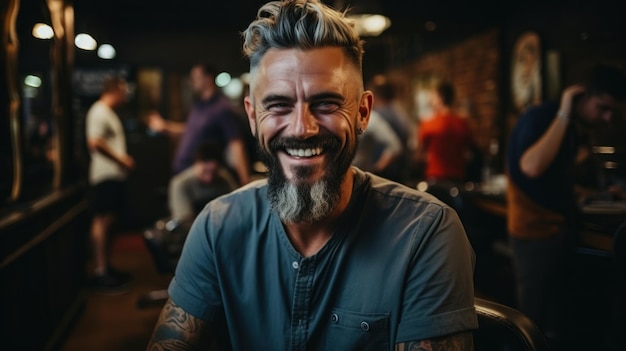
(619, 251)
(503, 328)
(618, 324)
(164, 242)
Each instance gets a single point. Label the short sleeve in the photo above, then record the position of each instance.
(439, 297)
(195, 285)
(96, 125)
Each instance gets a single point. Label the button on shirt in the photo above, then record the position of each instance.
(375, 283)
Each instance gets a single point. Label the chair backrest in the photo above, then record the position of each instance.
(503, 328)
(165, 242)
(619, 251)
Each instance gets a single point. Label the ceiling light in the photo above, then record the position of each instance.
(42, 31)
(234, 88)
(106, 51)
(85, 42)
(222, 79)
(370, 25)
(32, 81)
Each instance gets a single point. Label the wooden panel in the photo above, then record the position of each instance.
(42, 270)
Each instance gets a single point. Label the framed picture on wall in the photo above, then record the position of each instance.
(526, 71)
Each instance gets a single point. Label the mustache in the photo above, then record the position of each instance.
(326, 142)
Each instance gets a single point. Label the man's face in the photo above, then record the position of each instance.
(305, 108)
(198, 79)
(206, 170)
(597, 109)
(122, 92)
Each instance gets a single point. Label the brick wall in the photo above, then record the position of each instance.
(473, 66)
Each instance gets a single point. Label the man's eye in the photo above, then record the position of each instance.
(325, 106)
(279, 108)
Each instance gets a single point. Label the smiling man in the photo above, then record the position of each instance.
(320, 255)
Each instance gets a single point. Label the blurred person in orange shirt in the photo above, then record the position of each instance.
(445, 140)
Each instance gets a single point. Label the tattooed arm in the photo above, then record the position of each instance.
(457, 342)
(178, 330)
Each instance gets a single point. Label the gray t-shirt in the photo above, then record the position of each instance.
(187, 194)
(102, 122)
(399, 267)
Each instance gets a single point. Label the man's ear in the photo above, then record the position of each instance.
(365, 109)
(249, 106)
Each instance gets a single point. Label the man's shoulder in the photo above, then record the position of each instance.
(97, 108)
(240, 205)
(248, 194)
(393, 192)
(536, 118)
(544, 111)
(392, 207)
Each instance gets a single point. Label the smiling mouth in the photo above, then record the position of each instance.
(310, 152)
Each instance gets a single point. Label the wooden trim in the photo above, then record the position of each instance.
(11, 45)
(47, 232)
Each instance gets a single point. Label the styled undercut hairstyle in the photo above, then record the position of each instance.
(300, 24)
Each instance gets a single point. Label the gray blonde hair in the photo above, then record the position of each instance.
(301, 24)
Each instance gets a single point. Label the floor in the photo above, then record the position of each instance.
(118, 322)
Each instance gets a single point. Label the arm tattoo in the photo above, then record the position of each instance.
(456, 342)
(178, 330)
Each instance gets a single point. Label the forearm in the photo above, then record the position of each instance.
(173, 128)
(178, 330)
(542, 153)
(101, 146)
(457, 342)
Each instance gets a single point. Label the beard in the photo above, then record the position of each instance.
(298, 201)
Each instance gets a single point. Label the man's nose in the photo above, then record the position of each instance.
(304, 123)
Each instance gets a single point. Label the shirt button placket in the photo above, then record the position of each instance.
(301, 303)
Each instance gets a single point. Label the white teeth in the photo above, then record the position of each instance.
(304, 152)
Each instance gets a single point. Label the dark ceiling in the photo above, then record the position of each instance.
(162, 32)
(124, 15)
(121, 21)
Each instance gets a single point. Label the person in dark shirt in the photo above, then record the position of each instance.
(212, 117)
(541, 199)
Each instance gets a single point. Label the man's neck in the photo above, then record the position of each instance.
(444, 111)
(109, 101)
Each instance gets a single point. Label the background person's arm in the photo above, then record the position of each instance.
(100, 145)
(382, 132)
(158, 124)
(538, 157)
